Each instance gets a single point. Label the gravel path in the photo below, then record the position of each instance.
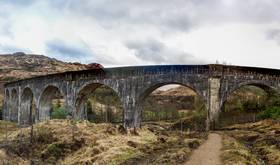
(208, 153)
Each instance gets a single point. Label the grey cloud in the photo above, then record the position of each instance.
(169, 15)
(62, 50)
(273, 34)
(110, 13)
(18, 2)
(5, 29)
(158, 17)
(4, 48)
(80, 52)
(157, 52)
(149, 50)
(165, 15)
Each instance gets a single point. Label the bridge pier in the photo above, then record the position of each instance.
(129, 112)
(213, 103)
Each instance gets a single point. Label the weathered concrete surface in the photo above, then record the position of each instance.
(214, 101)
(213, 83)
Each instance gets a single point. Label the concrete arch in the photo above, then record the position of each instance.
(151, 88)
(27, 107)
(271, 90)
(97, 84)
(14, 105)
(45, 101)
(148, 90)
(84, 93)
(227, 116)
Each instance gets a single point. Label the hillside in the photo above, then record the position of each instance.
(175, 91)
(19, 65)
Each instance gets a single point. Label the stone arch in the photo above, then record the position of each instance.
(14, 105)
(27, 107)
(45, 101)
(84, 93)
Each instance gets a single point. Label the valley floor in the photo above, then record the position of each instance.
(68, 142)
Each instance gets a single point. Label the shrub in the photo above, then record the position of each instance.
(43, 135)
(59, 113)
(270, 112)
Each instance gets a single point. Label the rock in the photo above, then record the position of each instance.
(132, 144)
(122, 130)
(134, 131)
(151, 129)
(111, 130)
(95, 151)
(161, 139)
(193, 144)
(277, 131)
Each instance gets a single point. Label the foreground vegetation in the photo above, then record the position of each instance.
(66, 142)
(252, 143)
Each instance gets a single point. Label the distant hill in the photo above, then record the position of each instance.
(20, 65)
(176, 91)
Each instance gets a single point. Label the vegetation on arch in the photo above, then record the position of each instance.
(249, 104)
(58, 110)
(270, 113)
(180, 105)
(104, 105)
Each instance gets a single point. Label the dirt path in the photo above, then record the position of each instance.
(208, 153)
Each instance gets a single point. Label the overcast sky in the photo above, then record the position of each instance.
(144, 32)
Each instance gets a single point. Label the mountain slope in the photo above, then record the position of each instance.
(19, 65)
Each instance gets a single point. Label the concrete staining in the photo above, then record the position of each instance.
(213, 83)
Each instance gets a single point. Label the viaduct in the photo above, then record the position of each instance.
(213, 83)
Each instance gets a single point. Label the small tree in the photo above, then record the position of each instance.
(59, 113)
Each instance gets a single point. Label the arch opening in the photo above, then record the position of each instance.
(27, 107)
(174, 103)
(248, 103)
(14, 106)
(52, 104)
(99, 103)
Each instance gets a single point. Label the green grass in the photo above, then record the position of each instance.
(270, 113)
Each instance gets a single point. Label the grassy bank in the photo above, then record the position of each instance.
(253, 143)
(66, 142)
